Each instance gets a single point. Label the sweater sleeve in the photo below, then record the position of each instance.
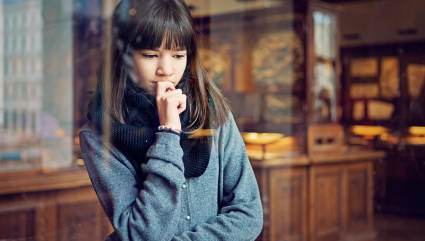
(241, 215)
(147, 210)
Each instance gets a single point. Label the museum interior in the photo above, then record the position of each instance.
(328, 95)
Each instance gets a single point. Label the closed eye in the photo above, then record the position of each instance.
(149, 56)
(179, 56)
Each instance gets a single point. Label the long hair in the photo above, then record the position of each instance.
(146, 24)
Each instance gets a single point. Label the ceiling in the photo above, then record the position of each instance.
(347, 1)
(216, 7)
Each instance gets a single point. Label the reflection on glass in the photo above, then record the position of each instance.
(35, 86)
(324, 67)
(260, 68)
(217, 65)
(324, 34)
(389, 79)
(325, 104)
(275, 58)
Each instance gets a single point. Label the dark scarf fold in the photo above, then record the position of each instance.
(135, 137)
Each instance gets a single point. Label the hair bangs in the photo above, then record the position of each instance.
(169, 31)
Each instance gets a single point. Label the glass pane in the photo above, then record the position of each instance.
(328, 97)
(254, 51)
(36, 83)
(325, 89)
(324, 34)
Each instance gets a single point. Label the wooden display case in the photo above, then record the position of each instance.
(49, 206)
(384, 85)
(384, 97)
(322, 197)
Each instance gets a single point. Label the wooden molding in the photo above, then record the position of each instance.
(19, 182)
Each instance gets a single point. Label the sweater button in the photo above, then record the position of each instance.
(188, 217)
(184, 185)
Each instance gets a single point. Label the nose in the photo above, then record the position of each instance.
(165, 67)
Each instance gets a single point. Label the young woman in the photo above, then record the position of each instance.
(175, 166)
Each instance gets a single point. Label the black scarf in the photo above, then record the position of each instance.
(135, 137)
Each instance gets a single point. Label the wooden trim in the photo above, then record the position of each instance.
(20, 182)
(289, 161)
(350, 155)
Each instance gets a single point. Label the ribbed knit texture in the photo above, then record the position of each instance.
(135, 137)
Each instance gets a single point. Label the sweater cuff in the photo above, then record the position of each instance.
(167, 148)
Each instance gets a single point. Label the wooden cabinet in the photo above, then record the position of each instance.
(288, 196)
(359, 211)
(317, 199)
(283, 186)
(51, 206)
(341, 201)
(326, 201)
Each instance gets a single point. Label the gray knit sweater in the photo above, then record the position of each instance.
(222, 204)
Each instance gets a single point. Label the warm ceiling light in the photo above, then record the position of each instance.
(368, 130)
(417, 130)
(261, 138)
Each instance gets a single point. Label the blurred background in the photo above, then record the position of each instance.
(329, 97)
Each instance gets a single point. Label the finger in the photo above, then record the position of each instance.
(182, 103)
(172, 97)
(163, 86)
(172, 93)
(178, 91)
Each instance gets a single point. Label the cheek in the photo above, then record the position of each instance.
(182, 67)
(145, 69)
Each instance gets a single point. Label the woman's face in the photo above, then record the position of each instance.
(153, 65)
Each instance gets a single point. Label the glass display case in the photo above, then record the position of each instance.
(384, 87)
(384, 109)
(256, 53)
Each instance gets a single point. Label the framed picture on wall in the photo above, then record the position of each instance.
(389, 77)
(364, 67)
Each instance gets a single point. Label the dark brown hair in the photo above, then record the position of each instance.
(145, 24)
